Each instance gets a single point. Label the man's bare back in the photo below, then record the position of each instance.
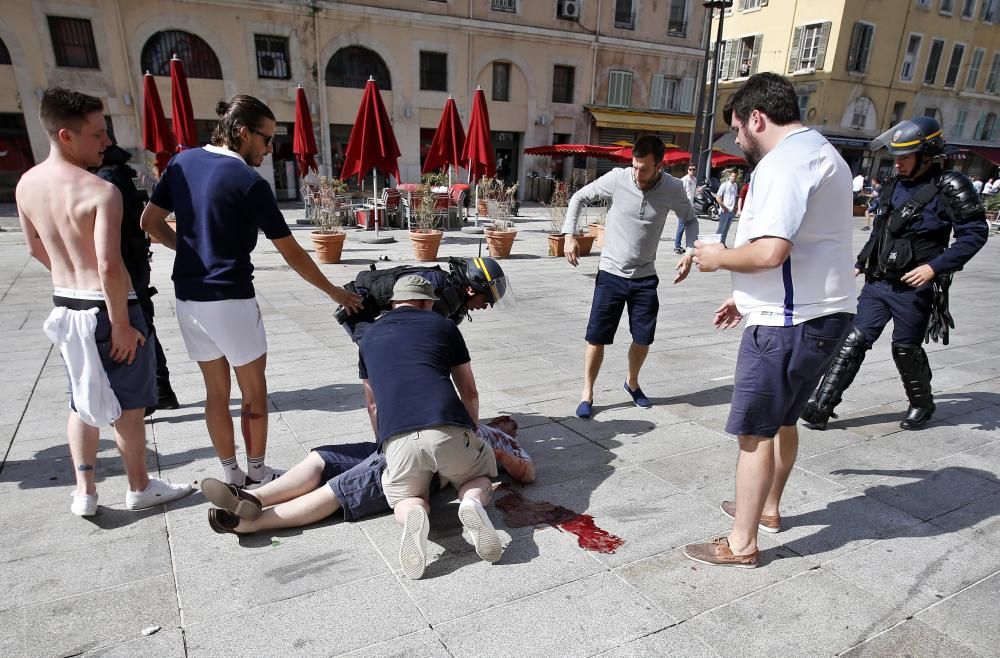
(64, 211)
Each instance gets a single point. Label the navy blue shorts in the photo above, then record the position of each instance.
(353, 472)
(611, 295)
(133, 384)
(777, 370)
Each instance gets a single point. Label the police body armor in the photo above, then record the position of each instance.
(375, 287)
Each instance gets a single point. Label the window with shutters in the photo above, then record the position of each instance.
(501, 81)
(433, 71)
(562, 83)
(859, 116)
(624, 14)
(73, 42)
(803, 106)
(947, 7)
(752, 4)
(272, 57)
(993, 79)
(509, 6)
(897, 112)
(986, 127)
(959, 127)
(740, 57)
(910, 57)
(620, 88)
(664, 94)
(968, 8)
(809, 43)
(933, 61)
(957, 53)
(972, 77)
(988, 10)
(861, 47)
(677, 23)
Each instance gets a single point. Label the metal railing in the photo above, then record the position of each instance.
(504, 5)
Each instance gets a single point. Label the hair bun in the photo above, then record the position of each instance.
(221, 108)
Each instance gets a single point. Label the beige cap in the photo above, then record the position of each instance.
(412, 287)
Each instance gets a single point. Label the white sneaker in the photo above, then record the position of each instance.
(157, 493)
(413, 547)
(84, 505)
(270, 475)
(484, 535)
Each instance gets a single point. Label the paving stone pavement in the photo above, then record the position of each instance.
(890, 546)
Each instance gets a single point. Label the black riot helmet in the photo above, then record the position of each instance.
(921, 135)
(486, 276)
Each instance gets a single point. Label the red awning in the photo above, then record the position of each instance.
(990, 153)
(565, 150)
(673, 155)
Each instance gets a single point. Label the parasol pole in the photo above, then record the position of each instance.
(375, 199)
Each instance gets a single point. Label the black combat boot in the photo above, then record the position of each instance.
(845, 366)
(915, 370)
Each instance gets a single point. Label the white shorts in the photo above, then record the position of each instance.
(231, 328)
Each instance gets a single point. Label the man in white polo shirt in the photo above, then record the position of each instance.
(793, 280)
(220, 203)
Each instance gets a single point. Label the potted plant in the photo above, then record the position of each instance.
(328, 238)
(596, 227)
(426, 238)
(484, 190)
(992, 206)
(557, 217)
(500, 233)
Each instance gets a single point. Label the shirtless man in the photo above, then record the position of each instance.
(72, 224)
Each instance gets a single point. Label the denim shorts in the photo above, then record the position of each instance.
(353, 472)
(133, 384)
(777, 370)
(612, 294)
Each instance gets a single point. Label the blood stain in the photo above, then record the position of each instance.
(519, 512)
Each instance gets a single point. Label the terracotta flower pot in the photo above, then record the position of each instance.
(586, 243)
(556, 243)
(328, 246)
(500, 242)
(597, 230)
(425, 244)
(484, 209)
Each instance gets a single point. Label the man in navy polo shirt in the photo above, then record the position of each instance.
(220, 203)
(412, 361)
(793, 280)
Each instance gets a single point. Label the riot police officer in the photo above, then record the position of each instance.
(469, 284)
(135, 254)
(908, 264)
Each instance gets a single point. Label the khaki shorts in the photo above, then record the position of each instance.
(454, 453)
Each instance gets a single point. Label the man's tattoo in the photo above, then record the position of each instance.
(85, 467)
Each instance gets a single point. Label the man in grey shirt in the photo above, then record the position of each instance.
(641, 198)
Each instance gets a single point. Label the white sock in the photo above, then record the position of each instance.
(255, 468)
(233, 473)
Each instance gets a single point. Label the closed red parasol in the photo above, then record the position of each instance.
(157, 137)
(372, 145)
(448, 142)
(303, 138)
(180, 101)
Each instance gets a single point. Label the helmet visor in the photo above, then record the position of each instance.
(897, 140)
(501, 294)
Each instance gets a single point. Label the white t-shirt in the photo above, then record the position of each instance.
(800, 191)
(728, 192)
(858, 184)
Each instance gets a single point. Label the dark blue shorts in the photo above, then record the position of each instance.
(777, 370)
(353, 472)
(133, 384)
(611, 295)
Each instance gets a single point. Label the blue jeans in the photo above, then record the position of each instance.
(680, 233)
(725, 219)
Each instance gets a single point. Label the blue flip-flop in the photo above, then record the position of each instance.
(584, 409)
(638, 397)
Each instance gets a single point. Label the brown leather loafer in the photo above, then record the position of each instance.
(767, 523)
(222, 521)
(231, 498)
(718, 554)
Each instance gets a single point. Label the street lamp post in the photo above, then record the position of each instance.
(704, 144)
